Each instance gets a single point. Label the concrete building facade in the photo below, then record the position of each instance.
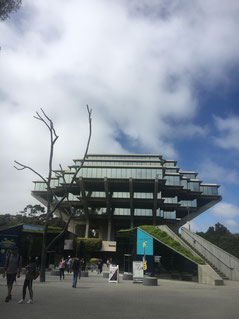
(114, 192)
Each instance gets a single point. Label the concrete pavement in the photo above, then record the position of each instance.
(95, 297)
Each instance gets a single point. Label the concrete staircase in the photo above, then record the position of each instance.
(206, 274)
(223, 263)
(220, 274)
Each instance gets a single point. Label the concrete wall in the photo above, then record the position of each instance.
(226, 263)
(206, 275)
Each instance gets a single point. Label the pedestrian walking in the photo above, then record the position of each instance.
(100, 265)
(62, 266)
(76, 268)
(31, 273)
(12, 269)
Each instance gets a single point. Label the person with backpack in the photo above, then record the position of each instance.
(31, 273)
(76, 268)
(12, 269)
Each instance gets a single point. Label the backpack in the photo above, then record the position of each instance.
(36, 275)
(8, 258)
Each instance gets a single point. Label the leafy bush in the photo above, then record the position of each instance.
(166, 239)
(86, 246)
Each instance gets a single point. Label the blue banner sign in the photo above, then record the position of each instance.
(144, 243)
(7, 242)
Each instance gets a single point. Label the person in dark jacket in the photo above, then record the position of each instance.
(76, 268)
(12, 268)
(31, 269)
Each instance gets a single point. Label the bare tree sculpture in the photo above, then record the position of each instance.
(51, 208)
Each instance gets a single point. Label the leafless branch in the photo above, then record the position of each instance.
(31, 169)
(62, 232)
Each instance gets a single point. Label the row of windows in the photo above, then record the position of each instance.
(171, 170)
(190, 175)
(171, 180)
(188, 203)
(166, 215)
(123, 163)
(146, 173)
(122, 157)
(170, 200)
(194, 186)
(209, 190)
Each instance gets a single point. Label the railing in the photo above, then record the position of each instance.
(231, 268)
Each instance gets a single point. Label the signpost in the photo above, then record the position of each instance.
(114, 273)
(138, 271)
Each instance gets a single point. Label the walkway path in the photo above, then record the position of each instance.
(95, 298)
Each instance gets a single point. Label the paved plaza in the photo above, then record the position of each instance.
(95, 297)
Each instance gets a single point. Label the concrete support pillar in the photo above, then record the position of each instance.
(108, 208)
(109, 231)
(156, 182)
(87, 227)
(131, 202)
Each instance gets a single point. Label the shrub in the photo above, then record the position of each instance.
(86, 246)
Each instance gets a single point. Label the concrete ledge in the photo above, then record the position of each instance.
(55, 272)
(84, 274)
(206, 275)
(105, 274)
(150, 281)
(127, 276)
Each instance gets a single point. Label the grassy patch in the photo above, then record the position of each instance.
(166, 239)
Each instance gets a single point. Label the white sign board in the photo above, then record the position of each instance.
(138, 271)
(114, 273)
(68, 244)
(108, 246)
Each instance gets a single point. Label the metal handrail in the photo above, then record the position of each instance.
(231, 268)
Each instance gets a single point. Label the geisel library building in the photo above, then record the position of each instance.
(114, 192)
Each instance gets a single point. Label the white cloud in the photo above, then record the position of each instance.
(134, 63)
(232, 224)
(211, 171)
(229, 132)
(227, 210)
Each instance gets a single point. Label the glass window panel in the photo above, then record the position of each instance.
(103, 172)
(118, 173)
(114, 172)
(129, 172)
(144, 173)
(134, 173)
(139, 173)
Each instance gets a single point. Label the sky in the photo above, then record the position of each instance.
(160, 76)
